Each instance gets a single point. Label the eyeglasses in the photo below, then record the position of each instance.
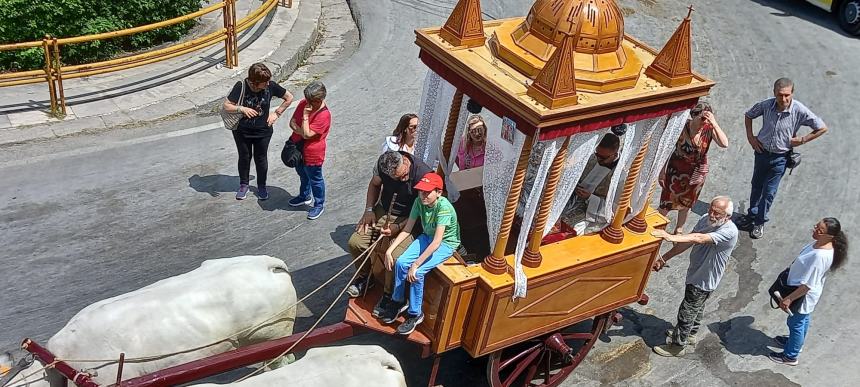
(412, 127)
(717, 214)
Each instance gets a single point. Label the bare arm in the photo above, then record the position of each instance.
(754, 142)
(368, 218)
(795, 295)
(809, 137)
(695, 238)
(719, 136)
(288, 99)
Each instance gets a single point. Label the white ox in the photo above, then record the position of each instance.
(195, 310)
(345, 366)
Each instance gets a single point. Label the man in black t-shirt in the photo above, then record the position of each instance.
(254, 131)
(394, 172)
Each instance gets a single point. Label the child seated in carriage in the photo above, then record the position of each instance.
(441, 237)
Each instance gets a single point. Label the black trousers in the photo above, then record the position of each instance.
(256, 147)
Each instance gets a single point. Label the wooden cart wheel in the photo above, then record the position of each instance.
(544, 361)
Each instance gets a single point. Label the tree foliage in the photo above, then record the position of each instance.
(29, 20)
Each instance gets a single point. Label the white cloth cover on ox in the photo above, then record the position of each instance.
(190, 316)
(344, 366)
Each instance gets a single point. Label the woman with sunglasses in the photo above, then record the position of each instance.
(827, 252)
(685, 172)
(470, 153)
(403, 137)
(255, 130)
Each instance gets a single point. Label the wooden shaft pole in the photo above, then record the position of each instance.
(450, 129)
(495, 263)
(532, 257)
(58, 73)
(613, 233)
(228, 57)
(49, 75)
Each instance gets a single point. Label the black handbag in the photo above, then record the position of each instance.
(792, 160)
(779, 289)
(291, 155)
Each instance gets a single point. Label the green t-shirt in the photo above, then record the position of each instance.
(442, 213)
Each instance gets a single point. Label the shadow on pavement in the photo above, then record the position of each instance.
(650, 328)
(217, 185)
(739, 337)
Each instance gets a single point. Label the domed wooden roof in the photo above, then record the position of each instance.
(598, 24)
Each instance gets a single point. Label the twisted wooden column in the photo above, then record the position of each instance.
(638, 225)
(532, 256)
(613, 233)
(495, 263)
(450, 129)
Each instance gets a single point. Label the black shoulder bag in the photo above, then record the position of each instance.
(792, 160)
(779, 289)
(291, 155)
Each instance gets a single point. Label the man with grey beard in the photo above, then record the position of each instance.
(712, 239)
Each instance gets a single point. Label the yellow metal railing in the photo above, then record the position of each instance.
(55, 72)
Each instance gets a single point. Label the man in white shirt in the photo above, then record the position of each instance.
(585, 208)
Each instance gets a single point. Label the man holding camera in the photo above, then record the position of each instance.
(394, 173)
(781, 118)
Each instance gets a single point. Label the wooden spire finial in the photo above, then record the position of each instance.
(555, 84)
(690, 12)
(464, 26)
(673, 65)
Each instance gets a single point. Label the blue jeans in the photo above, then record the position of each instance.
(798, 325)
(768, 171)
(401, 268)
(311, 181)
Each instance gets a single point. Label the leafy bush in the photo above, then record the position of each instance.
(29, 20)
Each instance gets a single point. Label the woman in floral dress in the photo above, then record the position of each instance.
(685, 172)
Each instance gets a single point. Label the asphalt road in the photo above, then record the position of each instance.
(90, 217)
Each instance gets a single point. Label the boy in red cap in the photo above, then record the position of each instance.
(441, 237)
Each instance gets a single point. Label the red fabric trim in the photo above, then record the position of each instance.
(554, 131)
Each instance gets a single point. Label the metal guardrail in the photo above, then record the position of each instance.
(55, 72)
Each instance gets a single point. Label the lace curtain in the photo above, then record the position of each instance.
(500, 162)
(665, 134)
(544, 152)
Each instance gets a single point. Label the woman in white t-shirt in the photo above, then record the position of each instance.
(808, 272)
(403, 137)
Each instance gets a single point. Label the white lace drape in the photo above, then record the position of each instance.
(545, 152)
(581, 147)
(500, 163)
(665, 135)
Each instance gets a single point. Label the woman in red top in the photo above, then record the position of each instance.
(310, 123)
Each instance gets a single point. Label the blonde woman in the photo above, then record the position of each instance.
(471, 151)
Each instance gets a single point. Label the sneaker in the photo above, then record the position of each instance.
(410, 324)
(757, 231)
(315, 212)
(670, 350)
(358, 287)
(692, 339)
(298, 202)
(380, 306)
(242, 193)
(778, 357)
(393, 311)
(262, 193)
(781, 341)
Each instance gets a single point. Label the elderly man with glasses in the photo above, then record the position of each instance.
(585, 208)
(713, 239)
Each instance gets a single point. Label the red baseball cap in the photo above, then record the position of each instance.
(429, 182)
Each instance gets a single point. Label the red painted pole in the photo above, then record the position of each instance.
(241, 357)
(46, 357)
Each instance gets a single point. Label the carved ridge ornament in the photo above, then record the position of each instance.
(673, 64)
(555, 85)
(613, 283)
(465, 26)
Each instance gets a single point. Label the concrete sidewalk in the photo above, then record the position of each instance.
(192, 83)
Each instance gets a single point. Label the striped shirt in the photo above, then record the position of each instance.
(778, 127)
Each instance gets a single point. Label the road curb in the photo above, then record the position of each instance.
(282, 60)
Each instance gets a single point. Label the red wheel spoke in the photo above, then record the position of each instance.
(520, 368)
(506, 363)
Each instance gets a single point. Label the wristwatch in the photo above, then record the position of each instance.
(368, 209)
